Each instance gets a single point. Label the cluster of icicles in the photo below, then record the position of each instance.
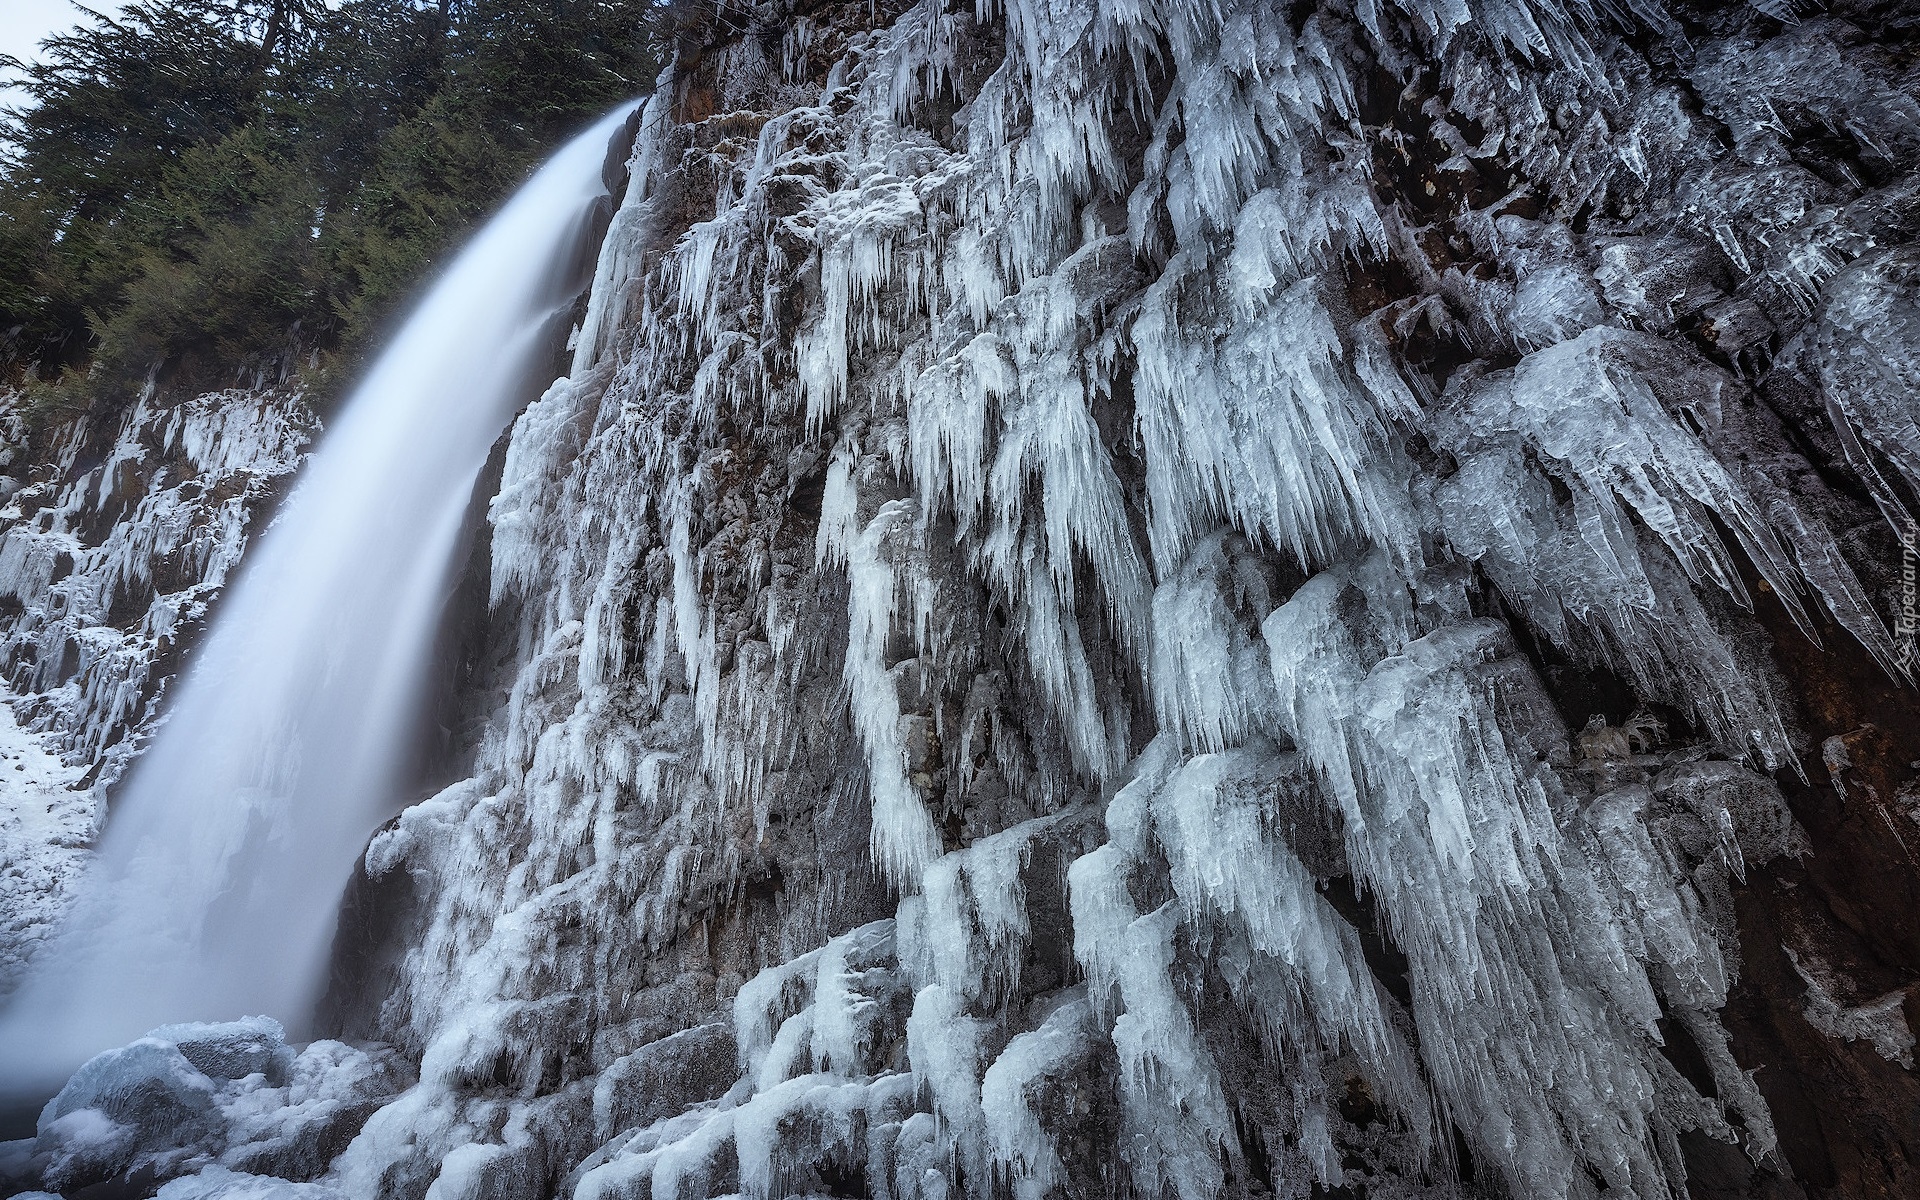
(1279, 561)
(91, 676)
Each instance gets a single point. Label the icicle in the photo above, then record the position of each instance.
(1432, 746)
(1868, 346)
(1269, 432)
(1015, 1135)
(905, 839)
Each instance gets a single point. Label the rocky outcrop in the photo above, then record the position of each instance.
(1190, 600)
(112, 553)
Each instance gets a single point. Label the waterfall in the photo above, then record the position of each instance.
(215, 888)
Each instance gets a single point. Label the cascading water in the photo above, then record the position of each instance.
(215, 888)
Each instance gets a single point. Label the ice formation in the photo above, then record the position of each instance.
(108, 560)
(1172, 599)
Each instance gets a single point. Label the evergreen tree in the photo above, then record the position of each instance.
(198, 188)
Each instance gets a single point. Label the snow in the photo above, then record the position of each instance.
(47, 823)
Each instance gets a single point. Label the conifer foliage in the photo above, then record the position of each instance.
(195, 188)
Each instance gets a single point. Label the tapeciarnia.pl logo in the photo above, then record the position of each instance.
(1906, 622)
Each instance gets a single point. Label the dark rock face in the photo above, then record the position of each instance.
(1825, 933)
(665, 1077)
(1306, 600)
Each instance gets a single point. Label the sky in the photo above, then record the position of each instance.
(24, 22)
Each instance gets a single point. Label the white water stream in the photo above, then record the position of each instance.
(216, 886)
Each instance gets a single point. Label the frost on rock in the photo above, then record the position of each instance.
(1172, 600)
(1880, 1022)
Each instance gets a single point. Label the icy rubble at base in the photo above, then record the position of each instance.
(224, 1110)
(993, 454)
(218, 1183)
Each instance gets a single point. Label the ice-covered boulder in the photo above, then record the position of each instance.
(141, 1101)
(230, 1104)
(665, 1077)
(233, 1049)
(295, 1131)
